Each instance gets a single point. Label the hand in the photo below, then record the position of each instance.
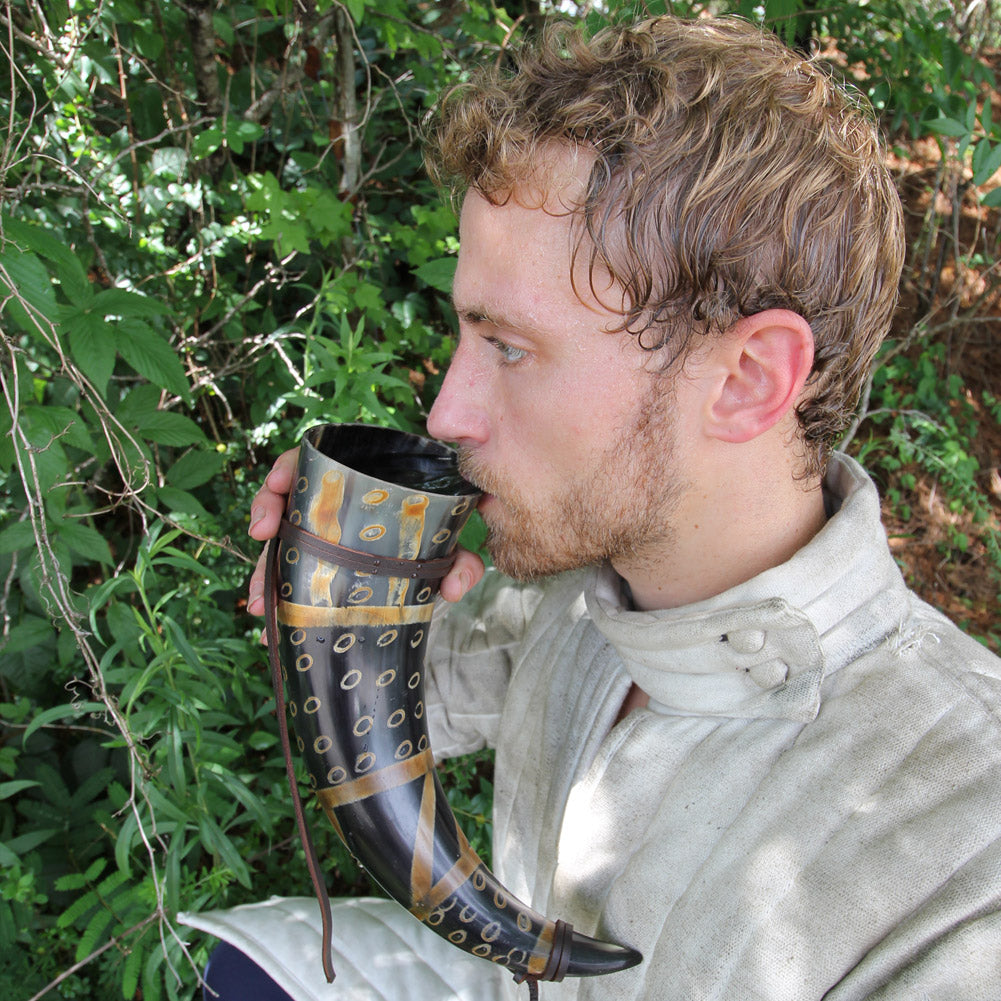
(266, 515)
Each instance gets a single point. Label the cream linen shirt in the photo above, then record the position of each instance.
(809, 808)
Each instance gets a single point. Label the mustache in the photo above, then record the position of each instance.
(474, 470)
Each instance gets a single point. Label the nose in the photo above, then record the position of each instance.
(458, 414)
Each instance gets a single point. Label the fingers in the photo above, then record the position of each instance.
(255, 590)
(464, 575)
(267, 507)
(265, 517)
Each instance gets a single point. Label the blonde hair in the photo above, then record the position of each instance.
(731, 176)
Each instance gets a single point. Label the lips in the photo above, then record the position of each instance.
(472, 469)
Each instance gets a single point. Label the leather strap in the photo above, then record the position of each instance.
(556, 966)
(353, 559)
(312, 862)
(294, 536)
(559, 957)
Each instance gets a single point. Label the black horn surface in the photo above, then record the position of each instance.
(372, 523)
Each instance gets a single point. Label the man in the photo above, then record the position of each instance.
(726, 733)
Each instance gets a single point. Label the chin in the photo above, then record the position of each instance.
(527, 559)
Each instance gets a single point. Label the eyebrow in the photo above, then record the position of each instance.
(485, 314)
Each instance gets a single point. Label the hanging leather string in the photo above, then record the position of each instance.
(312, 862)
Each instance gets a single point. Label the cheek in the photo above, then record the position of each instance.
(603, 409)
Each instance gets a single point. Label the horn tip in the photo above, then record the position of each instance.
(590, 957)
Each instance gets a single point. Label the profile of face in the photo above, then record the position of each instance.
(564, 423)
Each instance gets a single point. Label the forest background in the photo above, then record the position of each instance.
(215, 231)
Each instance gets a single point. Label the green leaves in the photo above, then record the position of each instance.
(932, 425)
(111, 326)
(978, 133)
(31, 293)
(438, 273)
(293, 219)
(92, 343)
(986, 162)
(85, 541)
(235, 135)
(194, 468)
(26, 238)
(945, 126)
(185, 286)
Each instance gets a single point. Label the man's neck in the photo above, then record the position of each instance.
(748, 525)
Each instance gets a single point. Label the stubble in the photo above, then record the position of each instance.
(618, 508)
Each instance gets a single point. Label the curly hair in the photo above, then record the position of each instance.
(730, 176)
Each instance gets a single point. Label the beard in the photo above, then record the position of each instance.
(617, 509)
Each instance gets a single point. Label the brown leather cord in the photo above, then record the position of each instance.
(532, 979)
(353, 560)
(312, 862)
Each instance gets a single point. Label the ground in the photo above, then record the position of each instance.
(963, 305)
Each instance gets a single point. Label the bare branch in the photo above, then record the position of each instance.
(292, 73)
(148, 920)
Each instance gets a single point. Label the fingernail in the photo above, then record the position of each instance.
(467, 581)
(256, 514)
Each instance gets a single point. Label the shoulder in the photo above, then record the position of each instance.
(923, 710)
(501, 612)
(933, 646)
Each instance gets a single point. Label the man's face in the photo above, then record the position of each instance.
(565, 426)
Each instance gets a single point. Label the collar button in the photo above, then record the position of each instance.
(769, 674)
(747, 640)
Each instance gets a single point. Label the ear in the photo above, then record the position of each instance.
(762, 363)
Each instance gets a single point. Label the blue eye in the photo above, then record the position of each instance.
(509, 353)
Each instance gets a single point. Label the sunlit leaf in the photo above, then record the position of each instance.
(151, 356)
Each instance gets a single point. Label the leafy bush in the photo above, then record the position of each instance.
(208, 244)
(215, 232)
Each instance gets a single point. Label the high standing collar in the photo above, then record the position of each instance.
(761, 649)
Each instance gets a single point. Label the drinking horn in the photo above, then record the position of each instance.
(370, 529)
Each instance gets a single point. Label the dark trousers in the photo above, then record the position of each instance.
(233, 976)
